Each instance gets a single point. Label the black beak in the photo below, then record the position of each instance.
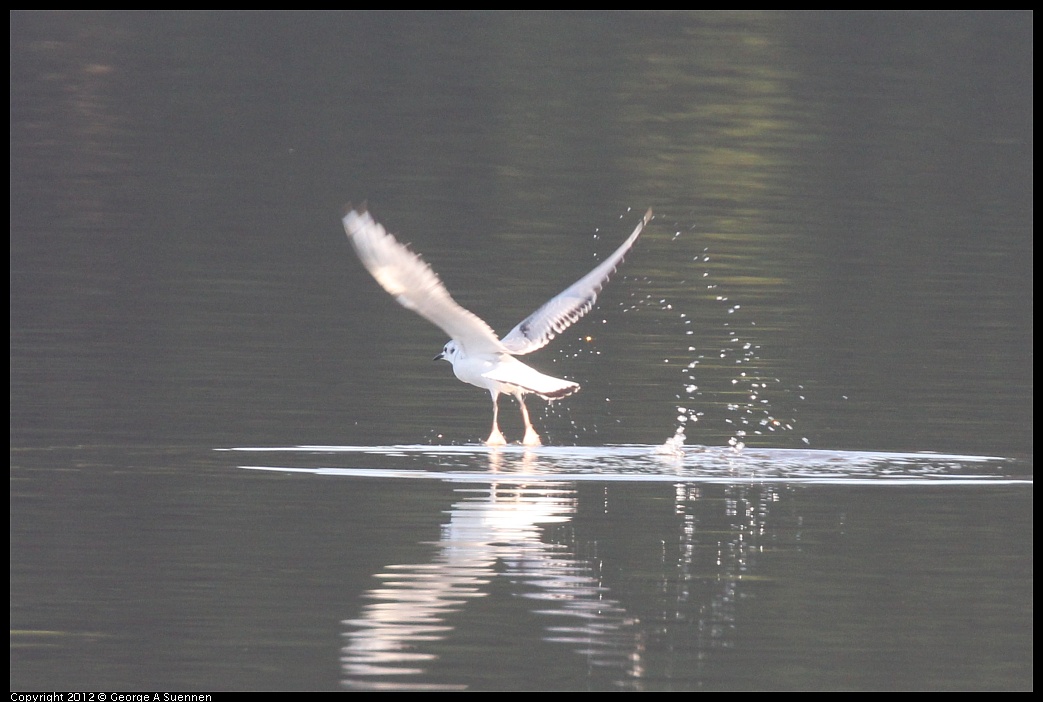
(439, 357)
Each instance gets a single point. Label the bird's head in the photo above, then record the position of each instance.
(449, 352)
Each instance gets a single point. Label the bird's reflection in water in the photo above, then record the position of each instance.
(497, 533)
(493, 532)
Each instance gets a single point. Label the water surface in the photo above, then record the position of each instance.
(841, 262)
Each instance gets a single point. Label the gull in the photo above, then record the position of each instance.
(479, 357)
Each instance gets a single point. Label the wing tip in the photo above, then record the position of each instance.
(359, 210)
(353, 213)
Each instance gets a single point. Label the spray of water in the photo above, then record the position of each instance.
(721, 381)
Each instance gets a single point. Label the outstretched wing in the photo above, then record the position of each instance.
(559, 312)
(412, 282)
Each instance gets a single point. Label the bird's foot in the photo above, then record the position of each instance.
(531, 438)
(496, 438)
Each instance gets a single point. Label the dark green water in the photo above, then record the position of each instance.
(841, 259)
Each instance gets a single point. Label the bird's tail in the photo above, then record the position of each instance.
(532, 381)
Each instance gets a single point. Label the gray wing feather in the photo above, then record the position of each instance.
(558, 313)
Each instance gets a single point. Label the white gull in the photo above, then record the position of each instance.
(478, 356)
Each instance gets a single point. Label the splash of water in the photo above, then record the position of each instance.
(751, 412)
(722, 384)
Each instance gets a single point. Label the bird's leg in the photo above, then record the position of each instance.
(495, 436)
(531, 437)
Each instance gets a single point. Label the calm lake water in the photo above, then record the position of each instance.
(234, 466)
